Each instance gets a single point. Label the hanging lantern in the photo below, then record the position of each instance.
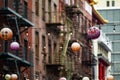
(85, 78)
(6, 33)
(110, 77)
(14, 46)
(62, 78)
(7, 76)
(14, 77)
(93, 32)
(75, 46)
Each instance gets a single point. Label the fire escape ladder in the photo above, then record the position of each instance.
(18, 30)
(65, 46)
(17, 70)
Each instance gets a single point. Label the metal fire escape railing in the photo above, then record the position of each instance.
(54, 17)
(18, 9)
(17, 15)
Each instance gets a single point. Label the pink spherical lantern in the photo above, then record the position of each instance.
(62, 78)
(14, 46)
(110, 77)
(75, 47)
(14, 77)
(6, 33)
(93, 32)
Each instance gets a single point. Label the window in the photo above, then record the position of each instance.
(49, 10)
(43, 43)
(108, 3)
(37, 7)
(43, 10)
(37, 75)
(49, 51)
(113, 3)
(37, 44)
(25, 9)
(25, 49)
(55, 13)
(67, 2)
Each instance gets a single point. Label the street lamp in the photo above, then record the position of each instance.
(85, 78)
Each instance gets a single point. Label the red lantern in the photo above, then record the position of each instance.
(14, 77)
(6, 33)
(110, 77)
(14, 46)
(93, 32)
(75, 46)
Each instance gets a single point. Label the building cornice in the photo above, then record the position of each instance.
(93, 2)
(98, 16)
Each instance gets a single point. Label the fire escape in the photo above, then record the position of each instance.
(80, 26)
(15, 15)
(74, 12)
(60, 25)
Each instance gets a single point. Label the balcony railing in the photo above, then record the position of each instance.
(22, 56)
(76, 6)
(54, 18)
(15, 7)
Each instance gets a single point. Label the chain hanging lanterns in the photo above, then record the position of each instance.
(6, 33)
(11, 77)
(93, 32)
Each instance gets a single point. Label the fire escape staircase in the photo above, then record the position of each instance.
(15, 8)
(17, 15)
